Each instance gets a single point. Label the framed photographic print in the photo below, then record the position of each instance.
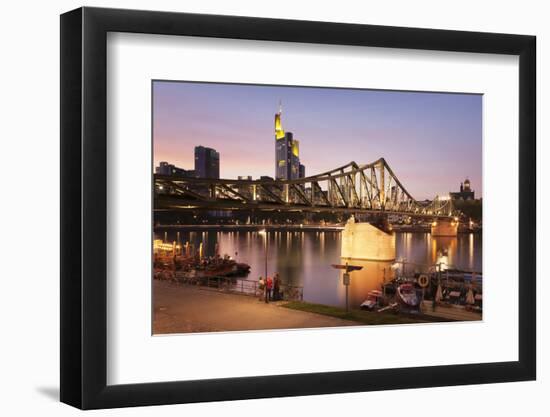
(257, 208)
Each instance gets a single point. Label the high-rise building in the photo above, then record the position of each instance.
(207, 162)
(287, 152)
(302, 171)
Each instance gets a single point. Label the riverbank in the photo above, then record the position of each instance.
(188, 309)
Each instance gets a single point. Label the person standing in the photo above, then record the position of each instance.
(261, 287)
(276, 286)
(269, 288)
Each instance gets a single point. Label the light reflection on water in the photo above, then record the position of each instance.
(305, 258)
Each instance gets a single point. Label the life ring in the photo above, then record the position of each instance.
(423, 281)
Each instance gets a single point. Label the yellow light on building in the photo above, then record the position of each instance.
(296, 147)
(279, 132)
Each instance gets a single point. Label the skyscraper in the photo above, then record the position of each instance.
(302, 172)
(207, 162)
(287, 152)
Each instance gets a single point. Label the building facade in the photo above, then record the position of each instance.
(166, 168)
(207, 162)
(465, 193)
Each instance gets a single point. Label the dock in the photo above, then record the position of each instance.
(450, 312)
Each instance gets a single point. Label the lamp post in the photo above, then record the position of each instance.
(263, 232)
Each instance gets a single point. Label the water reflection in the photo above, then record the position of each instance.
(305, 258)
(471, 251)
(463, 252)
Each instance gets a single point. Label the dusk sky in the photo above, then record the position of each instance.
(432, 141)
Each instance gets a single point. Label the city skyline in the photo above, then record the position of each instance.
(433, 140)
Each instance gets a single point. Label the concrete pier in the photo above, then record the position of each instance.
(444, 227)
(363, 241)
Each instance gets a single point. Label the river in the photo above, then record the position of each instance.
(305, 258)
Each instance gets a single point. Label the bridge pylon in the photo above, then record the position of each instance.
(445, 227)
(364, 241)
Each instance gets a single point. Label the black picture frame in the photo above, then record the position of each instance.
(84, 207)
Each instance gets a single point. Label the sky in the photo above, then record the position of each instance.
(432, 141)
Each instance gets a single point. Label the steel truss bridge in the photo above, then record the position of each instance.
(352, 188)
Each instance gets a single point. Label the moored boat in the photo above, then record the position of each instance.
(239, 270)
(374, 300)
(406, 294)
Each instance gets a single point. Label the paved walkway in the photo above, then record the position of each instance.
(450, 313)
(189, 309)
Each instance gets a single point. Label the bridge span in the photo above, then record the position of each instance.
(356, 189)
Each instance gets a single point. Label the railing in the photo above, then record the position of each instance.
(287, 292)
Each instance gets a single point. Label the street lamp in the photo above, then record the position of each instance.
(263, 232)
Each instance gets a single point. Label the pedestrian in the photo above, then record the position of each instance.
(268, 288)
(276, 287)
(261, 287)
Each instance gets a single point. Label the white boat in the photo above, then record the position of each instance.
(374, 299)
(407, 295)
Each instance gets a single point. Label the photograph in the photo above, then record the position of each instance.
(291, 207)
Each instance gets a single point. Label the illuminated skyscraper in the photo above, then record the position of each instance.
(279, 132)
(287, 152)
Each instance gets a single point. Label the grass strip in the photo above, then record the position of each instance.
(360, 316)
